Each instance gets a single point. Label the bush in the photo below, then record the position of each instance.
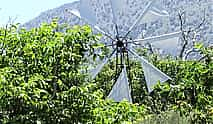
(42, 81)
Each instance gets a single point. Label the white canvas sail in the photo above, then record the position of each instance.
(155, 14)
(97, 70)
(166, 42)
(119, 7)
(151, 73)
(78, 14)
(168, 46)
(141, 16)
(121, 90)
(159, 38)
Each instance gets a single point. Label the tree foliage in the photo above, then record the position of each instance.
(42, 81)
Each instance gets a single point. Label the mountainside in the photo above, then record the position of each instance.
(58, 12)
(194, 13)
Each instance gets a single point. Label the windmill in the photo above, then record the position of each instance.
(121, 42)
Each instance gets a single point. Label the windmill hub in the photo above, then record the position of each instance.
(120, 43)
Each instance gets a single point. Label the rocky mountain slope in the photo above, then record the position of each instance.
(195, 12)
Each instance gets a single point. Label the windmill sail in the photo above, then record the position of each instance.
(124, 8)
(151, 73)
(151, 12)
(121, 90)
(154, 14)
(167, 42)
(78, 14)
(137, 21)
(99, 68)
(158, 9)
(159, 38)
(169, 46)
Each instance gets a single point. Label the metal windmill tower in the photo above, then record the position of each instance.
(121, 43)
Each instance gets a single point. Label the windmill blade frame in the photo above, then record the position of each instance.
(159, 12)
(114, 3)
(162, 77)
(77, 14)
(113, 11)
(140, 17)
(121, 89)
(100, 67)
(158, 38)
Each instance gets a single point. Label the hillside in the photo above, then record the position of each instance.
(194, 13)
(58, 12)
